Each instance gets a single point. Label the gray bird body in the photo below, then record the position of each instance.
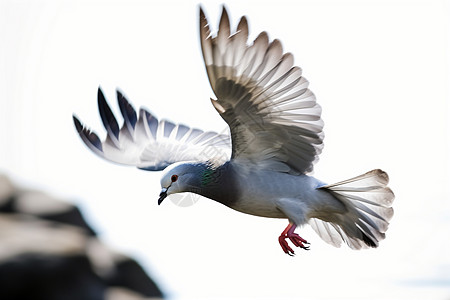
(264, 193)
(259, 192)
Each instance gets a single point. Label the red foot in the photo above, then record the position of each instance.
(295, 239)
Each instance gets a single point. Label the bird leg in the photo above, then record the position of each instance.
(295, 239)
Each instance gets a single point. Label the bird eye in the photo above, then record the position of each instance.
(174, 178)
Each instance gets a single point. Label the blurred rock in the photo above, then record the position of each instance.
(48, 251)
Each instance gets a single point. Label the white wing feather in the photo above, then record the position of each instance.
(150, 144)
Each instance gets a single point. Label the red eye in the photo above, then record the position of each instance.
(174, 178)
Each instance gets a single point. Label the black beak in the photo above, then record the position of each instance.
(162, 196)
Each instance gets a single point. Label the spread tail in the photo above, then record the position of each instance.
(368, 201)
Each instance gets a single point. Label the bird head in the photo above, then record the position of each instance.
(179, 178)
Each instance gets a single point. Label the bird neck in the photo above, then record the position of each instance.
(216, 183)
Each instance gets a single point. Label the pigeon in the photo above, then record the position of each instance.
(262, 166)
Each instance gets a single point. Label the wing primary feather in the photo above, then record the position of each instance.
(168, 128)
(89, 137)
(108, 119)
(224, 29)
(206, 45)
(242, 28)
(240, 38)
(128, 113)
(150, 123)
(78, 125)
(181, 131)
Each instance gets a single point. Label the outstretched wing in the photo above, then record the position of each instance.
(273, 116)
(150, 144)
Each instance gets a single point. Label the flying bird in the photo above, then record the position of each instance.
(262, 165)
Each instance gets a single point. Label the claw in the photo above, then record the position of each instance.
(284, 245)
(297, 240)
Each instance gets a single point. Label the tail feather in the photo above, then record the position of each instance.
(368, 201)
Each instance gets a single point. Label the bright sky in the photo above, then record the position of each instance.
(380, 70)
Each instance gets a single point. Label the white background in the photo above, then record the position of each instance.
(380, 70)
